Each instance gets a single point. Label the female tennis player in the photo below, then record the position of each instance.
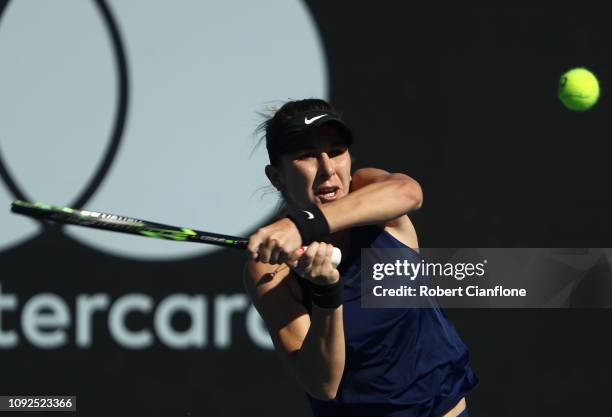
(351, 361)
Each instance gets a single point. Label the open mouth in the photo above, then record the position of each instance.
(327, 193)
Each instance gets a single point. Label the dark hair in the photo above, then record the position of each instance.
(286, 112)
(274, 117)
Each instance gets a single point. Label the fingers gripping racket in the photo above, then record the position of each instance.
(123, 224)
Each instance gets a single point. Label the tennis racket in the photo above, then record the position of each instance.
(130, 225)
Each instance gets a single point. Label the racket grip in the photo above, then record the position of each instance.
(336, 257)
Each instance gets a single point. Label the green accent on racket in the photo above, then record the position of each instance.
(124, 224)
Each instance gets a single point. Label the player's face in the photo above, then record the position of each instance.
(318, 173)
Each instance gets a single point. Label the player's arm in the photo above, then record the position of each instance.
(376, 197)
(311, 345)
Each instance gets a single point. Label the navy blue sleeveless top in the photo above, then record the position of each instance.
(400, 362)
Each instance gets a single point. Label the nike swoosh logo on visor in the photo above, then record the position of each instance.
(309, 121)
(310, 215)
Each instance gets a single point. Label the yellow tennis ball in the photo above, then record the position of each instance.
(578, 89)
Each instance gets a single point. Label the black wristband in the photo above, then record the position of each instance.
(310, 222)
(327, 296)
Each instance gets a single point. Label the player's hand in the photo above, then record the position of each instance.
(315, 264)
(277, 243)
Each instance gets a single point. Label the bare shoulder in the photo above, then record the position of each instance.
(260, 278)
(272, 289)
(276, 295)
(403, 230)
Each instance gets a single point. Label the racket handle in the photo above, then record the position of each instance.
(336, 257)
